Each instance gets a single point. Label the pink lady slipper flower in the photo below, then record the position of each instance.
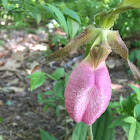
(88, 90)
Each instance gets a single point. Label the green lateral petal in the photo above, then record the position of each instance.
(118, 45)
(134, 70)
(87, 36)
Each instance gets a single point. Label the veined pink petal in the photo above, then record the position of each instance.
(88, 92)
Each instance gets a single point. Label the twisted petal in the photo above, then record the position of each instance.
(88, 92)
(86, 36)
(118, 45)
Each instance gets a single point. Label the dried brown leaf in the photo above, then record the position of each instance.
(35, 68)
(11, 65)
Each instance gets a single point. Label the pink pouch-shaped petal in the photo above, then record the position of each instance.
(88, 92)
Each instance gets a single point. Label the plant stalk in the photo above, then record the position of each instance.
(90, 134)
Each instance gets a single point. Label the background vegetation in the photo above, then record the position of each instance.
(35, 13)
(70, 17)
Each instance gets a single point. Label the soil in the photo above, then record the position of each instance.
(22, 115)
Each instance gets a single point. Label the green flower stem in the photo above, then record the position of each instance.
(90, 134)
(104, 37)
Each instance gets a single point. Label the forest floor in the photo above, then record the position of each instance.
(22, 115)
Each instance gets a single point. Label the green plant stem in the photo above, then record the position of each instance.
(90, 134)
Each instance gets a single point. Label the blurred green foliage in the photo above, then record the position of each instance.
(127, 23)
(129, 111)
(51, 98)
(23, 13)
(135, 56)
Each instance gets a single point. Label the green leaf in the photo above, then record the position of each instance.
(137, 111)
(129, 104)
(121, 102)
(126, 128)
(69, 26)
(59, 89)
(48, 75)
(28, 76)
(66, 78)
(10, 7)
(46, 136)
(52, 104)
(50, 100)
(49, 10)
(48, 93)
(71, 14)
(1, 119)
(58, 73)
(73, 27)
(114, 104)
(37, 79)
(4, 3)
(60, 17)
(129, 119)
(35, 13)
(118, 122)
(135, 89)
(40, 98)
(100, 128)
(57, 111)
(1, 138)
(134, 133)
(80, 131)
(45, 108)
(137, 54)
